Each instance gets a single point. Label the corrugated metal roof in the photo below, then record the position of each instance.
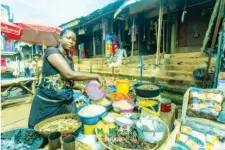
(82, 20)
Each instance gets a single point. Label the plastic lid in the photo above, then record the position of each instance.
(94, 91)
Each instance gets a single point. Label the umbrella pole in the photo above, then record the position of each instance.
(32, 53)
(43, 44)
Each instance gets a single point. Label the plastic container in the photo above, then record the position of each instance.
(199, 74)
(89, 129)
(124, 122)
(54, 141)
(165, 105)
(119, 109)
(100, 102)
(69, 143)
(123, 86)
(147, 92)
(94, 91)
(92, 120)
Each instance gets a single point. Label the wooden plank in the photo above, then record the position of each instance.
(187, 55)
(16, 101)
(16, 81)
(215, 34)
(211, 23)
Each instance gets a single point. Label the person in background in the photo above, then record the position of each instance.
(54, 95)
(19, 58)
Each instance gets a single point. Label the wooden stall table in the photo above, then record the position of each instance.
(7, 85)
(169, 117)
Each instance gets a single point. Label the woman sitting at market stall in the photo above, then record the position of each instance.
(55, 91)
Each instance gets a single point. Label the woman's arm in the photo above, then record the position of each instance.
(62, 66)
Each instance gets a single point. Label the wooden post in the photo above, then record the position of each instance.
(211, 22)
(159, 32)
(156, 29)
(132, 38)
(218, 59)
(219, 19)
(94, 45)
(163, 37)
(173, 34)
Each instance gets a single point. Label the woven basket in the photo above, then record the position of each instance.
(38, 126)
(110, 146)
(158, 145)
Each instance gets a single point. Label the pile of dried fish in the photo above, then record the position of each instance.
(128, 140)
(19, 140)
(60, 125)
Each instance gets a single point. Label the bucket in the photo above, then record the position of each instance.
(69, 143)
(89, 129)
(54, 141)
(123, 86)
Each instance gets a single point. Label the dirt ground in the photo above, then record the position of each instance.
(15, 116)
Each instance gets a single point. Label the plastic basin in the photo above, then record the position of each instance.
(147, 92)
(118, 109)
(93, 119)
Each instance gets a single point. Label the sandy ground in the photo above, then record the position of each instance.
(16, 116)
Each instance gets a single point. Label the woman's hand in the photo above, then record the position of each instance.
(83, 91)
(101, 80)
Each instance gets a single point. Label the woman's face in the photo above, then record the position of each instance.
(68, 40)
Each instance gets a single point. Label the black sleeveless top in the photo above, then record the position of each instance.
(53, 84)
(54, 95)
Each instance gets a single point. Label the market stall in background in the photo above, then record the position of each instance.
(162, 101)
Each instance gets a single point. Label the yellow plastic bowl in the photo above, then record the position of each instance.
(123, 86)
(89, 129)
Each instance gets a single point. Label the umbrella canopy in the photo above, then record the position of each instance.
(40, 34)
(12, 31)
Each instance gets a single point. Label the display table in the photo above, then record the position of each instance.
(9, 84)
(169, 117)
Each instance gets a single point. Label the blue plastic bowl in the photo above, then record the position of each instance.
(91, 120)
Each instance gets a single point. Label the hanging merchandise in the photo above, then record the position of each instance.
(133, 32)
(126, 24)
(114, 45)
(184, 11)
(144, 37)
(81, 49)
(109, 50)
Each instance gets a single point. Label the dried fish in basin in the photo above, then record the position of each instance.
(128, 140)
(60, 125)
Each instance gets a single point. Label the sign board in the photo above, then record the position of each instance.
(81, 32)
(71, 24)
(5, 12)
